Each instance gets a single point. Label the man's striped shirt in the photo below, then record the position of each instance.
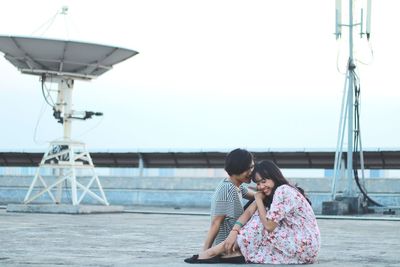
(227, 200)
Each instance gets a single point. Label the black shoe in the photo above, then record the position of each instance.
(237, 259)
(191, 259)
(195, 259)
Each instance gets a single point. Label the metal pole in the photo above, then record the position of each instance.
(349, 189)
(67, 86)
(141, 165)
(339, 145)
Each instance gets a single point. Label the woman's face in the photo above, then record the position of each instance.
(264, 185)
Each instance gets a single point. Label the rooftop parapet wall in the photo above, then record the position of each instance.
(316, 185)
(190, 192)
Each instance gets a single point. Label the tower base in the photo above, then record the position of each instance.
(342, 206)
(63, 159)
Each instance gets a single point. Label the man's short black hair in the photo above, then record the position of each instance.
(238, 161)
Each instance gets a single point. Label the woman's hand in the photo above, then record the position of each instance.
(259, 199)
(260, 196)
(230, 242)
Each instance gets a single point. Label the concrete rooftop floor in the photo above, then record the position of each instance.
(164, 237)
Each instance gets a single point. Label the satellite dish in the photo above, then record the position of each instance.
(68, 59)
(63, 62)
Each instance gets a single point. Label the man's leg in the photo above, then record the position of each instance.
(213, 251)
(219, 250)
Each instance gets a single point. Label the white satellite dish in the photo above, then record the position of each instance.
(70, 59)
(63, 62)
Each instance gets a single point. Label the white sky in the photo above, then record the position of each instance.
(210, 74)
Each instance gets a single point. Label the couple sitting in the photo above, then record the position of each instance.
(278, 227)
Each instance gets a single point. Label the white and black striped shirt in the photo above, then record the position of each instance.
(227, 200)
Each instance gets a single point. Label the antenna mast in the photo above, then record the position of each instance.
(350, 105)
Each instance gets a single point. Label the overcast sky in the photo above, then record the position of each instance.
(210, 74)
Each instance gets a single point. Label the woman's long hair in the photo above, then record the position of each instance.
(269, 170)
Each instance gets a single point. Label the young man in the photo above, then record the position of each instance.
(226, 204)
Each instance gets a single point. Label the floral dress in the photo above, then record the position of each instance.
(296, 239)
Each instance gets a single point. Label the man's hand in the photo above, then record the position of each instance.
(230, 242)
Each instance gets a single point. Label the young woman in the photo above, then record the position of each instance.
(279, 227)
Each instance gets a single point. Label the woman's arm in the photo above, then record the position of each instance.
(213, 231)
(243, 219)
(268, 224)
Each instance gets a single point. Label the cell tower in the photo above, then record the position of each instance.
(349, 115)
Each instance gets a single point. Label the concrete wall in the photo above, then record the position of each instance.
(187, 191)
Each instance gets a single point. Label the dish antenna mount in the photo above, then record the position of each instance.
(63, 62)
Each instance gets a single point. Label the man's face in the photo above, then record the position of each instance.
(245, 176)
